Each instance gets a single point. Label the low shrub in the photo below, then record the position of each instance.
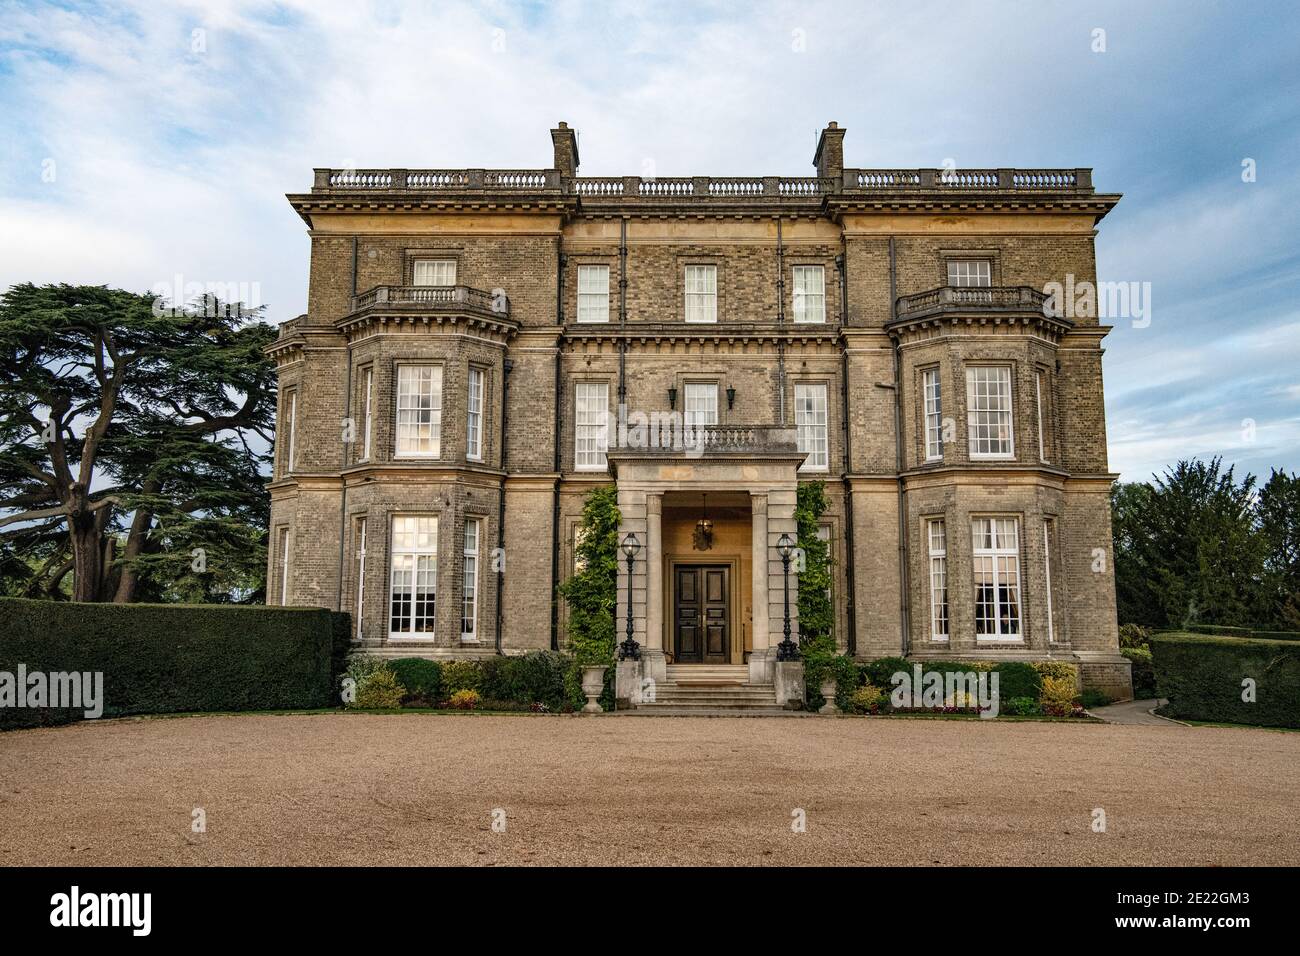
(461, 675)
(1206, 678)
(879, 672)
(1094, 698)
(1018, 679)
(1057, 696)
(868, 699)
(465, 699)
(1056, 669)
(379, 690)
(1144, 675)
(1222, 630)
(422, 679)
(535, 677)
(1020, 707)
(1133, 635)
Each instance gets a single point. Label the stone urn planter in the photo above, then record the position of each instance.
(828, 691)
(593, 685)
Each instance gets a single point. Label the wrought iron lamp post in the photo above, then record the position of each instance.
(786, 650)
(630, 649)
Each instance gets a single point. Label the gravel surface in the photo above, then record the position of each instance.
(422, 789)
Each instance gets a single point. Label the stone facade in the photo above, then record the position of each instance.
(853, 294)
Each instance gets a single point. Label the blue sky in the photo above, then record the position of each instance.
(142, 141)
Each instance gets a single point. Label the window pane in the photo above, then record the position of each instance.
(969, 272)
(438, 272)
(809, 294)
(933, 400)
(414, 575)
(469, 607)
(810, 425)
(419, 410)
(591, 417)
(937, 539)
(593, 293)
(701, 404)
(701, 293)
(474, 416)
(996, 561)
(988, 400)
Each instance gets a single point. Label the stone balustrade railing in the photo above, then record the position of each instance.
(434, 298)
(853, 182)
(972, 299)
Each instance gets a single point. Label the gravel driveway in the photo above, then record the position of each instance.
(422, 789)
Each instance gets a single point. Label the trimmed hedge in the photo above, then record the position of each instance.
(170, 658)
(1202, 677)
(1223, 630)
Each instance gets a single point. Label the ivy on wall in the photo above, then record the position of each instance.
(592, 592)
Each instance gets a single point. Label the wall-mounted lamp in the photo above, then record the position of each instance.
(731, 397)
(672, 399)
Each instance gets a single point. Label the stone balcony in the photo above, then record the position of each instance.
(421, 299)
(436, 307)
(966, 300)
(666, 437)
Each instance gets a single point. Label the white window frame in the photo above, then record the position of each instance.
(360, 536)
(474, 414)
(429, 554)
(809, 300)
(699, 405)
(981, 432)
(470, 581)
(1038, 398)
(701, 285)
(290, 451)
(285, 544)
(812, 424)
(413, 410)
(970, 273)
(1047, 576)
(434, 273)
(1000, 562)
(932, 408)
(593, 293)
(936, 537)
(367, 421)
(590, 426)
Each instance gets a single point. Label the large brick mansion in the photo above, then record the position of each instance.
(482, 347)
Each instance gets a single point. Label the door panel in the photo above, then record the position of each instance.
(701, 616)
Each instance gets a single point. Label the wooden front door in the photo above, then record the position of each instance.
(701, 614)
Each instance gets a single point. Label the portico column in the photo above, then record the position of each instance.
(759, 664)
(654, 598)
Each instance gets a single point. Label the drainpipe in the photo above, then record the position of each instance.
(622, 311)
(506, 366)
(555, 495)
(780, 320)
(841, 264)
(903, 609)
(347, 413)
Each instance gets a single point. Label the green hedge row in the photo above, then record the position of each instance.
(1204, 676)
(1225, 631)
(169, 658)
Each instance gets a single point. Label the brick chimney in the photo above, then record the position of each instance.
(829, 158)
(565, 141)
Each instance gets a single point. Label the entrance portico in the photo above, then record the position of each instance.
(720, 604)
